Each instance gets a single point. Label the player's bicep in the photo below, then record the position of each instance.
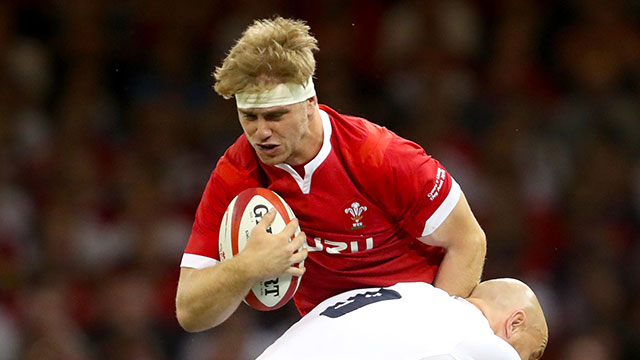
(459, 224)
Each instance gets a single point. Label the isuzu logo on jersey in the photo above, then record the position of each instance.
(338, 247)
(356, 215)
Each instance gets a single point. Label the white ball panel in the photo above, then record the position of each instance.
(268, 292)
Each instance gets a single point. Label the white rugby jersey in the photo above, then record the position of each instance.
(412, 321)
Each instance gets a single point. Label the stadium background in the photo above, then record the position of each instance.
(109, 130)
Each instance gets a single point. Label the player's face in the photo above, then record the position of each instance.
(530, 347)
(280, 134)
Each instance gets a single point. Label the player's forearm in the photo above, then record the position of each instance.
(207, 297)
(461, 268)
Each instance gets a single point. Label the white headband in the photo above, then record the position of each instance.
(283, 94)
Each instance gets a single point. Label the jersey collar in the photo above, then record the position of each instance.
(311, 166)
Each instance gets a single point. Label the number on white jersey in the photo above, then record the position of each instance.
(359, 300)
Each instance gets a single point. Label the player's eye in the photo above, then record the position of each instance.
(274, 117)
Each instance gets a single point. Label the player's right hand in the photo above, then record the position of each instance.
(270, 255)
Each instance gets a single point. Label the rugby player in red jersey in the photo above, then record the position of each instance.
(373, 207)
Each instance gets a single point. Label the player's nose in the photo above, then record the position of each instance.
(263, 129)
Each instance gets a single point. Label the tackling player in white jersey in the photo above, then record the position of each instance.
(501, 320)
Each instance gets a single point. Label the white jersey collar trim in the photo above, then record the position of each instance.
(314, 164)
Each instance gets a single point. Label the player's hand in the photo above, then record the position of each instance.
(269, 255)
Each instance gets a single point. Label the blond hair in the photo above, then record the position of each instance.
(270, 51)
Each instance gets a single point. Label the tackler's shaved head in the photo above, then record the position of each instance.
(514, 314)
(506, 293)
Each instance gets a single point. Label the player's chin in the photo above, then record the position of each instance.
(269, 159)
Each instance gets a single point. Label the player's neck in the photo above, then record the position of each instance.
(313, 141)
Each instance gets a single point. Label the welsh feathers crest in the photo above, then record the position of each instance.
(356, 212)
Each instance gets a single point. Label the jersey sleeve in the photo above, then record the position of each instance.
(415, 188)
(431, 194)
(228, 179)
(202, 248)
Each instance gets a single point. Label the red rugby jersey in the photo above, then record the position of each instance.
(364, 200)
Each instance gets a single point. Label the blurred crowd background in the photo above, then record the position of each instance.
(109, 130)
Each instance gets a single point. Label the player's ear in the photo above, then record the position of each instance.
(311, 104)
(515, 323)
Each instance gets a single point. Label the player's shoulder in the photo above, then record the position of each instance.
(488, 347)
(240, 152)
(480, 342)
(239, 156)
(420, 289)
(239, 164)
(367, 143)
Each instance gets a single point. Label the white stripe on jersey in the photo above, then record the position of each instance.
(447, 206)
(197, 261)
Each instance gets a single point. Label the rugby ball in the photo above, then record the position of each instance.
(243, 213)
